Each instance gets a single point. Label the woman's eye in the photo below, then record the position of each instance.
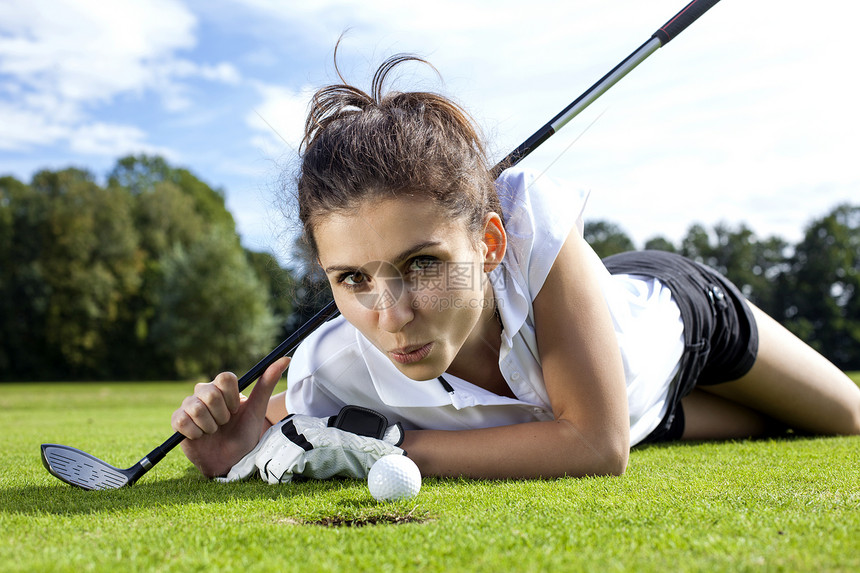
(352, 280)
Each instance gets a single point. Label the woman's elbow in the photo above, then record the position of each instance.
(603, 462)
(605, 453)
(610, 458)
(616, 462)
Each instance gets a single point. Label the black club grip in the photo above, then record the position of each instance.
(682, 19)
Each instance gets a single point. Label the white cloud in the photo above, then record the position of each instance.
(86, 50)
(23, 129)
(64, 58)
(279, 119)
(106, 139)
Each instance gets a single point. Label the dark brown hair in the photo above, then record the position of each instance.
(360, 146)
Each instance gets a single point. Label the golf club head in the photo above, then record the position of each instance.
(80, 469)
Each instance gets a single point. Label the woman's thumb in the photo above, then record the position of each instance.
(266, 384)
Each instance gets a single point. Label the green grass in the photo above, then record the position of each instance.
(734, 506)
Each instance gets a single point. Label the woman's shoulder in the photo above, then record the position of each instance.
(532, 198)
(513, 187)
(539, 214)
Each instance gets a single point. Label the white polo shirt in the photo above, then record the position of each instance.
(336, 365)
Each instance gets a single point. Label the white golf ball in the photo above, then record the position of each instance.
(393, 477)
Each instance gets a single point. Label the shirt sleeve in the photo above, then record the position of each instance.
(318, 359)
(539, 214)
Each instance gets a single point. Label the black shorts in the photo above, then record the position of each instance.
(720, 334)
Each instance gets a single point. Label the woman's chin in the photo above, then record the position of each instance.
(424, 370)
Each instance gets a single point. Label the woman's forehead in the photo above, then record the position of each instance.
(384, 231)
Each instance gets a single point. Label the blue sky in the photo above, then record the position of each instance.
(748, 116)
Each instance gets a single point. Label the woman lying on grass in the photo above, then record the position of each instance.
(480, 324)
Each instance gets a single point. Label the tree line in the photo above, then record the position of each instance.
(144, 277)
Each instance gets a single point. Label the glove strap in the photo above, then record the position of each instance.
(292, 434)
(361, 421)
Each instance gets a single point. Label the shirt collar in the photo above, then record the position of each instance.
(395, 388)
(512, 304)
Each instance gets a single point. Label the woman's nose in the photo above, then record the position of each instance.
(393, 306)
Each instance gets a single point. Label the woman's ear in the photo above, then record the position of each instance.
(495, 241)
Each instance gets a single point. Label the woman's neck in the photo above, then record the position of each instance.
(478, 359)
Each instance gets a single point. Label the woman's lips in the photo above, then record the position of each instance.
(408, 356)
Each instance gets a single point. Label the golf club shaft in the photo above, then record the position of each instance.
(661, 37)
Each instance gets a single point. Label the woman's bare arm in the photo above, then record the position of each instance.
(276, 410)
(585, 381)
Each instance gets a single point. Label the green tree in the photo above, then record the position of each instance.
(73, 265)
(770, 264)
(737, 255)
(19, 289)
(141, 174)
(311, 291)
(606, 238)
(278, 282)
(109, 282)
(821, 293)
(164, 217)
(696, 245)
(213, 312)
(753, 265)
(173, 209)
(91, 264)
(660, 244)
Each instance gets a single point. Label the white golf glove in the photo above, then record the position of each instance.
(320, 448)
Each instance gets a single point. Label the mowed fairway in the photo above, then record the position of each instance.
(751, 505)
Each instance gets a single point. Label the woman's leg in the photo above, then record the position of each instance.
(792, 383)
(710, 417)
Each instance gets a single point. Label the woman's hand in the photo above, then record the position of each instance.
(220, 424)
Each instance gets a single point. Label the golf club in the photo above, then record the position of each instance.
(81, 469)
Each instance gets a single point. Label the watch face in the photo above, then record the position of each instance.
(361, 421)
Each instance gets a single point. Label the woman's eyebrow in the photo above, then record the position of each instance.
(405, 254)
